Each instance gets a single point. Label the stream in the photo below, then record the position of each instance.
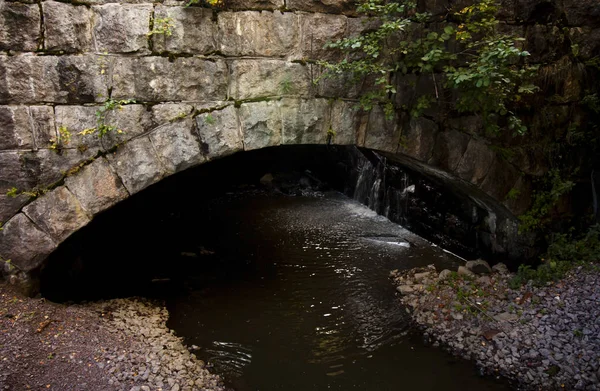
(292, 293)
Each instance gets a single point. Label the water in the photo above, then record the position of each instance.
(292, 293)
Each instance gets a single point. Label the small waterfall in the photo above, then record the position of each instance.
(373, 190)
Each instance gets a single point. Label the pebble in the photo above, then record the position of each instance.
(543, 337)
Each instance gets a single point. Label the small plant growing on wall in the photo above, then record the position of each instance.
(102, 127)
(209, 119)
(162, 26)
(62, 139)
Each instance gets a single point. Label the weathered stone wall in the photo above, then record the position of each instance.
(224, 81)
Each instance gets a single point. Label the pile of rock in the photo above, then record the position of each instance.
(158, 360)
(539, 337)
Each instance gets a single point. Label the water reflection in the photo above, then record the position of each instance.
(303, 302)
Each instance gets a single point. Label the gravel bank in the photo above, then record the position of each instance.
(120, 344)
(544, 338)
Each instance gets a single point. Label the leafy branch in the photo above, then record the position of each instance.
(483, 67)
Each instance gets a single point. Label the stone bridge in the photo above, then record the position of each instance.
(222, 81)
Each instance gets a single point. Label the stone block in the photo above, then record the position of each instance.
(193, 30)
(19, 26)
(418, 138)
(520, 197)
(96, 186)
(582, 12)
(177, 145)
(267, 78)
(317, 31)
(67, 27)
(163, 113)
(57, 213)
(450, 146)
(16, 171)
(346, 7)
(305, 121)
(15, 128)
(255, 4)
(53, 79)
(219, 132)
(476, 162)
(156, 79)
(45, 167)
(261, 124)
(9, 206)
(24, 243)
(382, 134)
(252, 33)
(29, 78)
(43, 125)
(76, 119)
(137, 164)
(122, 28)
(500, 179)
(479, 266)
(128, 121)
(344, 122)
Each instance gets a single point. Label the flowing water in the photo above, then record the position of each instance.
(292, 293)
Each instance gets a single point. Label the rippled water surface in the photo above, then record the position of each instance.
(292, 293)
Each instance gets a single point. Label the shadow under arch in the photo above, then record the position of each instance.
(121, 250)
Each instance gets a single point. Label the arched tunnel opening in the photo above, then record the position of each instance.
(274, 266)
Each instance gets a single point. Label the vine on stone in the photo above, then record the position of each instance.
(483, 68)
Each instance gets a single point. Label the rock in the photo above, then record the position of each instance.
(24, 244)
(484, 280)
(137, 164)
(304, 121)
(19, 26)
(421, 276)
(220, 134)
(16, 128)
(506, 317)
(405, 289)
(463, 271)
(67, 27)
(266, 78)
(157, 79)
(58, 213)
(261, 124)
(122, 28)
(96, 186)
(177, 145)
(382, 133)
(500, 268)
(444, 274)
(319, 29)
(267, 179)
(193, 30)
(479, 266)
(252, 33)
(476, 162)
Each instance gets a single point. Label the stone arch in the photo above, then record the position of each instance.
(121, 168)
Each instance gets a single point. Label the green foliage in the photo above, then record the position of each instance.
(564, 253)
(286, 85)
(212, 3)
(162, 26)
(554, 187)
(102, 127)
(592, 102)
(586, 248)
(63, 138)
(545, 273)
(12, 192)
(209, 119)
(483, 66)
